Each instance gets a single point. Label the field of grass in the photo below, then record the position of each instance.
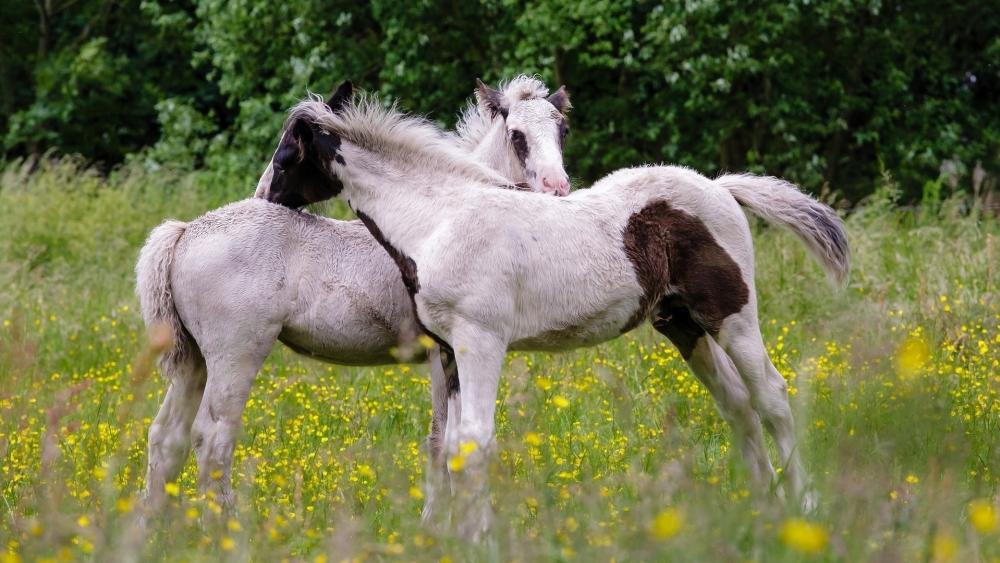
(614, 453)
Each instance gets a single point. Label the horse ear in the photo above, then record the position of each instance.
(300, 136)
(491, 99)
(560, 99)
(341, 96)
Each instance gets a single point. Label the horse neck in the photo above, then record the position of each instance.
(494, 151)
(405, 205)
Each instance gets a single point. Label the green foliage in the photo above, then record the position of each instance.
(824, 93)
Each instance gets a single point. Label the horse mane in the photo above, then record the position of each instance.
(476, 120)
(385, 131)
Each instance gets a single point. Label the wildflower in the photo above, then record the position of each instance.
(666, 524)
(457, 462)
(912, 479)
(560, 402)
(532, 439)
(416, 493)
(911, 355)
(394, 549)
(983, 516)
(83, 521)
(426, 341)
(227, 543)
(543, 383)
(803, 536)
(943, 548)
(172, 489)
(124, 505)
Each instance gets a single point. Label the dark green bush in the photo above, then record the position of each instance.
(827, 93)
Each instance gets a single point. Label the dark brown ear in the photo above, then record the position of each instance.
(560, 99)
(340, 97)
(491, 99)
(292, 149)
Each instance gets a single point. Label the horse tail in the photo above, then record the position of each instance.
(156, 301)
(781, 203)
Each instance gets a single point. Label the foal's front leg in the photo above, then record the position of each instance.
(469, 440)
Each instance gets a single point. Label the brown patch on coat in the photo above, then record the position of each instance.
(673, 320)
(674, 254)
(408, 270)
(407, 267)
(450, 367)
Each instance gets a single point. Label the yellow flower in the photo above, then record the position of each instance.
(172, 489)
(416, 493)
(10, 557)
(394, 549)
(943, 548)
(911, 355)
(912, 479)
(227, 543)
(666, 524)
(803, 536)
(426, 341)
(124, 504)
(543, 383)
(560, 402)
(83, 521)
(983, 516)
(532, 439)
(456, 463)
(467, 448)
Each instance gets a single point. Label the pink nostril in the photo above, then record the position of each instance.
(558, 187)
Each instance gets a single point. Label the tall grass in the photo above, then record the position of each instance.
(609, 453)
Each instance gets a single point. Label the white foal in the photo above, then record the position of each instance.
(234, 281)
(494, 270)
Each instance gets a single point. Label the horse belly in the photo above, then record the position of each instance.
(345, 331)
(343, 348)
(586, 331)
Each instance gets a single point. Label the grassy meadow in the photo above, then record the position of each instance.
(614, 453)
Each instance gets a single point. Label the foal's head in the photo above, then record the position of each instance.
(295, 176)
(536, 129)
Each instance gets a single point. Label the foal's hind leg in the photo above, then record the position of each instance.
(218, 422)
(740, 337)
(170, 433)
(715, 370)
(444, 384)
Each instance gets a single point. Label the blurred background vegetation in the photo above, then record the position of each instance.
(833, 94)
